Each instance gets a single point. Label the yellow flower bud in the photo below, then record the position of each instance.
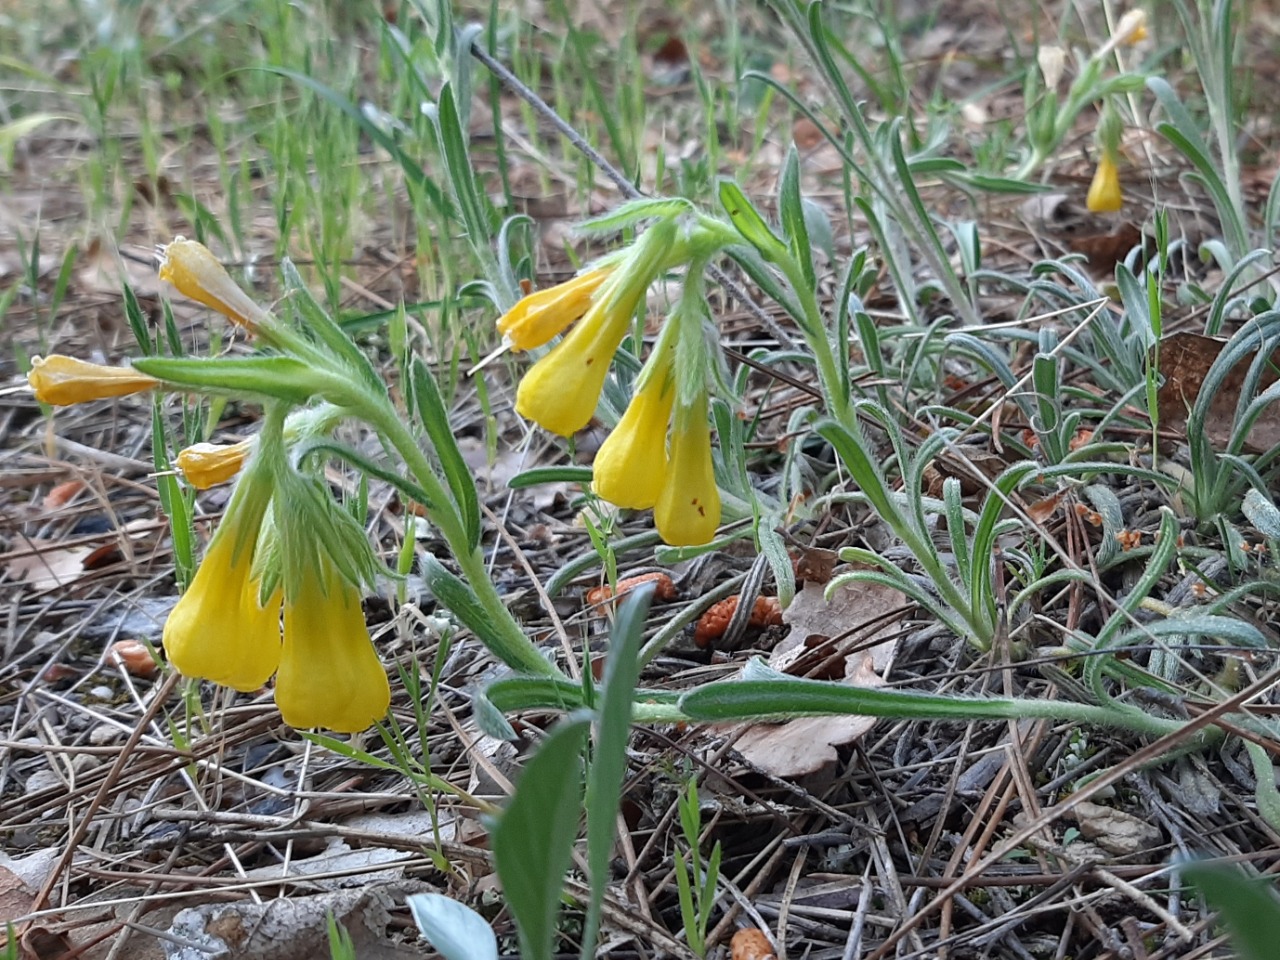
(219, 631)
(540, 316)
(206, 465)
(1105, 195)
(631, 465)
(193, 269)
(688, 509)
(62, 381)
(330, 675)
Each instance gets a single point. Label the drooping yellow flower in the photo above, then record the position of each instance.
(561, 390)
(1105, 195)
(219, 631)
(330, 675)
(631, 466)
(191, 267)
(688, 509)
(63, 381)
(206, 465)
(542, 315)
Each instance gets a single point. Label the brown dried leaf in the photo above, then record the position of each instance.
(1105, 250)
(806, 745)
(1185, 359)
(1115, 831)
(44, 565)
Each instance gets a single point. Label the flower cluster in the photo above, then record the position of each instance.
(659, 455)
(278, 589)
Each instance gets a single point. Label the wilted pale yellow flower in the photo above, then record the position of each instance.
(1105, 195)
(206, 465)
(1132, 28)
(191, 267)
(330, 675)
(1052, 60)
(631, 465)
(219, 631)
(688, 509)
(561, 390)
(63, 381)
(540, 316)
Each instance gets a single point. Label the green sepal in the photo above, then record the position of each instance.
(405, 486)
(327, 330)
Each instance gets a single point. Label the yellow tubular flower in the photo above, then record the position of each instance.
(191, 267)
(540, 316)
(1104, 193)
(561, 390)
(688, 509)
(631, 466)
(206, 465)
(63, 381)
(330, 675)
(218, 631)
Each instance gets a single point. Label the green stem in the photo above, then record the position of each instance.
(515, 650)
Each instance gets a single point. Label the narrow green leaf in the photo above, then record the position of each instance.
(748, 222)
(541, 475)
(533, 841)
(285, 378)
(609, 759)
(534, 693)
(435, 420)
(463, 603)
(1248, 906)
(406, 487)
(791, 210)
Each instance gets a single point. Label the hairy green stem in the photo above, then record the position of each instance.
(509, 642)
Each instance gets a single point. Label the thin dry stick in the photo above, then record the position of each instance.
(1150, 752)
(86, 821)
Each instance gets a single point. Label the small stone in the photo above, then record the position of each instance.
(103, 734)
(43, 780)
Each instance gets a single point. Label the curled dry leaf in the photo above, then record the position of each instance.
(1116, 831)
(857, 615)
(751, 944)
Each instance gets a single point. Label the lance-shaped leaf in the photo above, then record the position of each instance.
(435, 420)
(284, 378)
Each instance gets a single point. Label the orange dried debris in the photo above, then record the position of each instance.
(1129, 539)
(751, 944)
(1081, 439)
(1089, 516)
(134, 656)
(766, 612)
(664, 589)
